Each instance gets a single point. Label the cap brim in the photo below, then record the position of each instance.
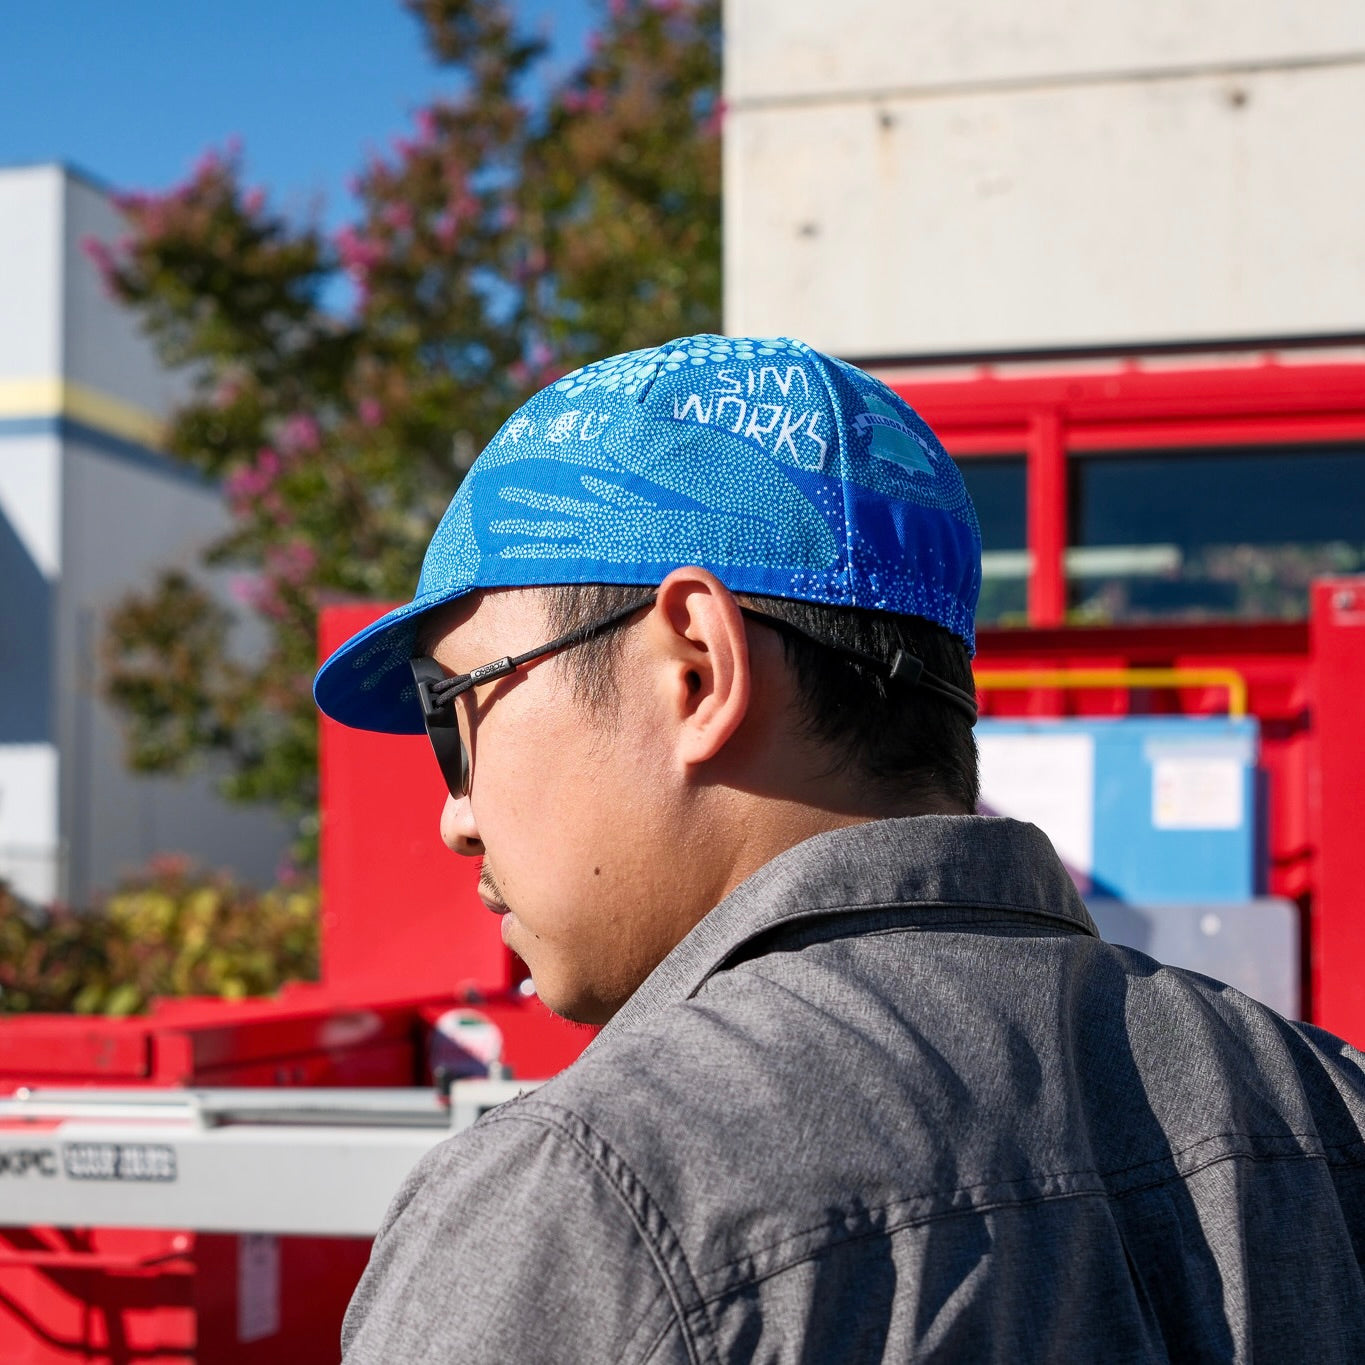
(366, 683)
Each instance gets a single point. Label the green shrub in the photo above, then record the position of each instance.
(170, 931)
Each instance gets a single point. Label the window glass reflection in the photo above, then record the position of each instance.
(997, 487)
(1202, 534)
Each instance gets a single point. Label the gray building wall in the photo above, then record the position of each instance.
(905, 178)
(100, 345)
(88, 511)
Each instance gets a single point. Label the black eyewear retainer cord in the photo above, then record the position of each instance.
(904, 668)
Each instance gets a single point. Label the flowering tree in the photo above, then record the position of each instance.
(499, 245)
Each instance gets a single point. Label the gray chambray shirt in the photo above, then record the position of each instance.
(893, 1099)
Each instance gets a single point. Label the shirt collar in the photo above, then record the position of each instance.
(977, 863)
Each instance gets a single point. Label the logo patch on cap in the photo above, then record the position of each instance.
(892, 440)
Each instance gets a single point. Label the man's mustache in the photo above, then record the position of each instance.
(489, 890)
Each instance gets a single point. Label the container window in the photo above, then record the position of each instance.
(1205, 534)
(998, 488)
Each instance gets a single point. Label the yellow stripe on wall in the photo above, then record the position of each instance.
(65, 398)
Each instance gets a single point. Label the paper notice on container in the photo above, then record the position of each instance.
(1197, 791)
(1049, 780)
(258, 1286)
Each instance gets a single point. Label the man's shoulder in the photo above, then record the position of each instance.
(979, 1023)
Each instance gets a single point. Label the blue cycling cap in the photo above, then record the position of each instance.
(785, 472)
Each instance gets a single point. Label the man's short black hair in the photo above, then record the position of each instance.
(905, 741)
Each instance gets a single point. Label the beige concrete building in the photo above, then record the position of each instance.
(906, 178)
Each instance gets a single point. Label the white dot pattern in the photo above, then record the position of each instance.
(784, 471)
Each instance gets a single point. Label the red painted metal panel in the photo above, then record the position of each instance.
(1158, 433)
(115, 1051)
(111, 1297)
(1002, 398)
(1046, 519)
(401, 915)
(103, 1296)
(1337, 939)
(316, 1278)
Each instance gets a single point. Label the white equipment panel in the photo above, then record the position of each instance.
(292, 1162)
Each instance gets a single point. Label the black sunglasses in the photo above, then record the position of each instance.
(436, 690)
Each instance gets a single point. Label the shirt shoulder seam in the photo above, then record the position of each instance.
(987, 1196)
(640, 1207)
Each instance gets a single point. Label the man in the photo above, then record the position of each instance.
(692, 644)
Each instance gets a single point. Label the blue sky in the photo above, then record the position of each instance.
(131, 93)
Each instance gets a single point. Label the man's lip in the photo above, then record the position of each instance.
(486, 893)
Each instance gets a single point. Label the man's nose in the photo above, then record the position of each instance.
(459, 832)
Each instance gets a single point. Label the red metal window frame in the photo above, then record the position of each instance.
(1048, 413)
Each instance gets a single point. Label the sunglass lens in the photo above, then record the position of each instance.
(443, 729)
(452, 756)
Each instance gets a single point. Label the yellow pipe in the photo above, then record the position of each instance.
(1127, 678)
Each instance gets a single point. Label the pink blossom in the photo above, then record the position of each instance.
(301, 432)
(398, 216)
(446, 228)
(371, 413)
(359, 254)
(209, 163)
(269, 604)
(171, 867)
(155, 217)
(713, 122)
(427, 127)
(253, 201)
(518, 373)
(595, 101)
(303, 555)
(247, 483)
(244, 484)
(291, 562)
(618, 9)
(244, 589)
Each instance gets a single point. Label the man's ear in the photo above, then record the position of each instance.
(699, 642)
